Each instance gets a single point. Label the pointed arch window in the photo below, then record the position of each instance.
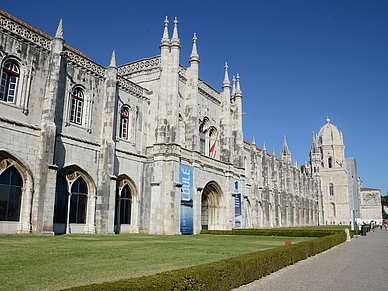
(125, 205)
(10, 195)
(202, 139)
(330, 162)
(79, 192)
(76, 106)
(331, 190)
(9, 81)
(125, 123)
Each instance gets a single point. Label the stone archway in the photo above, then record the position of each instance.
(126, 209)
(23, 222)
(212, 208)
(74, 208)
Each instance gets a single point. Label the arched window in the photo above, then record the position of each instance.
(77, 105)
(330, 163)
(331, 190)
(79, 192)
(124, 124)
(61, 198)
(125, 205)
(9, 82)
(202, 139)
(10, 194)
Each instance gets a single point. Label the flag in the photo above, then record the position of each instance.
(213, 146)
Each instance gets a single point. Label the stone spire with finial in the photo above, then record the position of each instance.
(165, 39)
(226, 82)
(59, 33)
(234, 86)
(194, 57)
(264, 149)
(113, 60)
(253, 139)
(175, 39)
(238, 89)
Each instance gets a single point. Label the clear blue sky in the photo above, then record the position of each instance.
(299, 61)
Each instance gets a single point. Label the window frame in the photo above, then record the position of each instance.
(76, 110)
(5, 81)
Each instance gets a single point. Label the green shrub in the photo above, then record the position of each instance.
(230, 273)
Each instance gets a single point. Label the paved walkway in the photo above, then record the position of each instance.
(361, 264)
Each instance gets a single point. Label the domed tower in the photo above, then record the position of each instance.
(334, 175)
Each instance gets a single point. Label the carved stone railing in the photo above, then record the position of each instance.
(209, 92)
(141, 65)
(132, 88)
(24, 32)
(85, 63)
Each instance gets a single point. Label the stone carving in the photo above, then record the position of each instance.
(131, 87)
(25, 33)
(208, 92)
(139, 66)
(371, 198)
(86, 64)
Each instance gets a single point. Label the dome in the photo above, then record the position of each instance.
(329, 134)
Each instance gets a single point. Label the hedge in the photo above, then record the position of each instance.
(229, 273)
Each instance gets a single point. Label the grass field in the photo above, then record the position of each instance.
(31, 262)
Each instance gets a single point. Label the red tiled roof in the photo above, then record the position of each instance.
(369, 189)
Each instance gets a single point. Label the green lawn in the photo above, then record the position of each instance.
(31, 262)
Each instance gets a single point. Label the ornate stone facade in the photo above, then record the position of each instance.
(88, 149)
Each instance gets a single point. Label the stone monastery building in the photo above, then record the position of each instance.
(145, 147)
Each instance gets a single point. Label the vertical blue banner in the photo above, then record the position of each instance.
(237, 204)
(186, 179)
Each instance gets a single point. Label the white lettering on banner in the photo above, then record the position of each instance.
(186, 184)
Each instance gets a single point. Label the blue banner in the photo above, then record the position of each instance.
(186, 179)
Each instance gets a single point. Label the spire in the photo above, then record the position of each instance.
(273, 151)
(59, 33)
(113, 60)
(194, 54)
(175, 40)
(314, 145)
(238, 89)
(264, 149)
(253, 139)
(234, 86)
(285, 147)
(226, 82)
(165, 38)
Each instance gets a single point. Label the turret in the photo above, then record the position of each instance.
(226, 121)
(237, 132)
(191, 110)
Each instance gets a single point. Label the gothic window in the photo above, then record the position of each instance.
(330, 163)
(202, 140)
(76, 106)
(331, 189)
(9, 82)
(124, 124)
(125, 205)
(79, 192)
(10, 195)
